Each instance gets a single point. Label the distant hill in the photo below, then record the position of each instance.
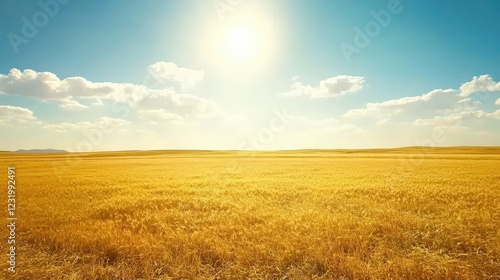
(40, 151)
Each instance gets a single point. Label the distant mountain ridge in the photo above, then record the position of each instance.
(41, 151)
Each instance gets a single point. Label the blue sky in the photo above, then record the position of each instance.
(221, 74)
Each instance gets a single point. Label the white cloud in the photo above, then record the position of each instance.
(181, 104)
(452, 128)
(16, 114)
(383, 122)
(65, 127)
(458, 117)
(163, 72)
(448, 110)
(159, 116)
(48, 87)
(298, 89)
(411, 118)
(105, 124)
(438, 120)
(71, 105)
(341, 85)
(436, 101)
(332, 87)
(483, 83)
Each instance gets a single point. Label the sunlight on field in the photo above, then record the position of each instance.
(377, 214)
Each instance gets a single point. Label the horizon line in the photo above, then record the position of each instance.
(59, 151)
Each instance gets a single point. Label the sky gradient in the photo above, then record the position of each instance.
(262, 75)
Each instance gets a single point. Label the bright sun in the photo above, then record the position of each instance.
(242, 46)
(242, 43)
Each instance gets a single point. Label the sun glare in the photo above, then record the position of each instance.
(242, 43)
(241, 47)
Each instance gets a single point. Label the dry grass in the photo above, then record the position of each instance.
(272, 215)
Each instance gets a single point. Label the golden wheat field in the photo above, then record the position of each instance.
(411, 213)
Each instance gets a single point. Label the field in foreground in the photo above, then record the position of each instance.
(379, 214)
